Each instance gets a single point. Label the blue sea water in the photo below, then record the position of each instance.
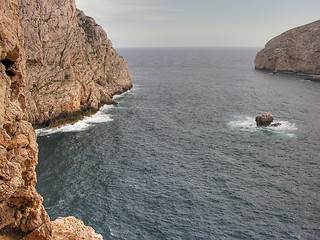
(180, 156)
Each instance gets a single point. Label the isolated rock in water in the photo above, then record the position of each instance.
(72, 228)
(264, 120)
(296, 50)
(275, 124)
(71, 65)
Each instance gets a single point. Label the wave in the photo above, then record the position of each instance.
(119, 96)
(101, 116)
(248, 123)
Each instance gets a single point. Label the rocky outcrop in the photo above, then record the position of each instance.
(297, 50)
(21, 210)
(71, 65)
(22, 215)
(72, 228)
(264, 120)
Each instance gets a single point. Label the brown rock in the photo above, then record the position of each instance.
(55, 76)
(71, 65)
(264, 120)
(70, 228)
(275, 124)
(296, 50)
(21, 210)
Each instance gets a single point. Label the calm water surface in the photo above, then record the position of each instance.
(180, 156)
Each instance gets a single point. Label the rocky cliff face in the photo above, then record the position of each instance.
(21, 210)
(71, 65)
(297, 50)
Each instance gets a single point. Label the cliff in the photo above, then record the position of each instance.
(21, 210)
(296, 50)
(71, 66)
(59, 63)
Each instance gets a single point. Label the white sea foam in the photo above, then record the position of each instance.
(101, 116)
(122, 94)
(244, 123)
(247, 123)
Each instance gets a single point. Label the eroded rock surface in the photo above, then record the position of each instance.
(296, 50)
(22, 215)
(21, 210)
(264, 120)
(70, 228)
(71, 65)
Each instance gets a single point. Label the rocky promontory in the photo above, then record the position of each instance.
(21, 210)
(54, 62)
(296, 50)
(72, 68)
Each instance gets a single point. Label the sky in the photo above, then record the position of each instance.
(198, 23)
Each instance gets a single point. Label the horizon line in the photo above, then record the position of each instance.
(190, 47)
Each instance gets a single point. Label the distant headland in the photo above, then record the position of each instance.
(296, 50)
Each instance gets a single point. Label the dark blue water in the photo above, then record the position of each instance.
(180, 156)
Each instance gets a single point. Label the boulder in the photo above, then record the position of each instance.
(264, 120)
(72, 228)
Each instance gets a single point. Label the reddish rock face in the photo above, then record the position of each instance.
(296, 50)
(21, 210)
(71, 64)
(75, 230)
(22, 215)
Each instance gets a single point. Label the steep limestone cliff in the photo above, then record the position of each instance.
(22, 215)
(21, 210)
(71, 65)
(296, 50)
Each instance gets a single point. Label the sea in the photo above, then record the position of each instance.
(180, 156)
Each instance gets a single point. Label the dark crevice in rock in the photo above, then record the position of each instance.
(8, 233)
(7, 63)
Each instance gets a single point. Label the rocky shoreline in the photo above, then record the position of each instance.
(71, 66)
(72, 117)
(56, 65)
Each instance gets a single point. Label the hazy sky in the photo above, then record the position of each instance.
(161, 23)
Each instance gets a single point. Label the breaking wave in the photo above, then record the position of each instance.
(101, 116)
(247, 123)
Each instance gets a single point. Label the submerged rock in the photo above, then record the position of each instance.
(275, 124)
(264, 120)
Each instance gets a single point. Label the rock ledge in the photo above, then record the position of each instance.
(71, 228)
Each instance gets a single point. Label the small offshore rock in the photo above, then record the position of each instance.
(275, 124)
(264, 120)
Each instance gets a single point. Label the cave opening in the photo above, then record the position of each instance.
(7, 63)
